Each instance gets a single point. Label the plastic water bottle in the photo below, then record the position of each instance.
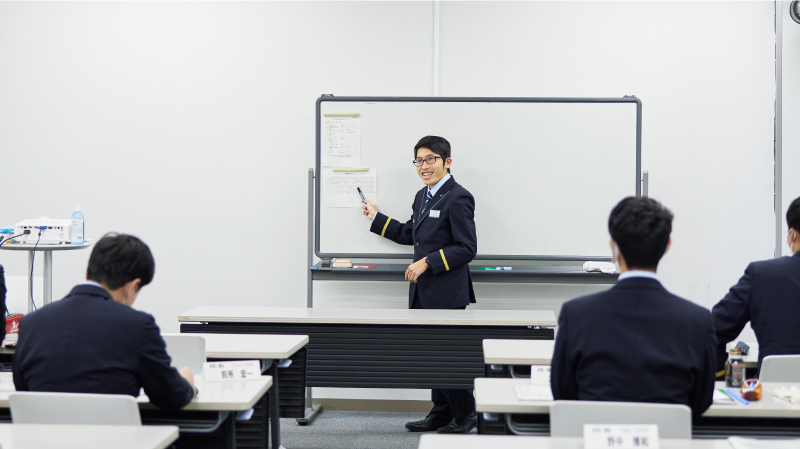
(76, 229)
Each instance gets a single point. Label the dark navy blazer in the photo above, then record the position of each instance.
(449, 241)
(87, 343)
(635, 342)
(768, 296)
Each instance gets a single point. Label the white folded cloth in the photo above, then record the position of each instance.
(791, 394)
(602, 267)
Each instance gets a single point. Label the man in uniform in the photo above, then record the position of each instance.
(442, 231)
(768, 296)
(635, 342)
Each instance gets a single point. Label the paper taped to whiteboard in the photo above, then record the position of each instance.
(341, 139)
(339, 188)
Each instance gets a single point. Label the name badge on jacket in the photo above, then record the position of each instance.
(434, 214)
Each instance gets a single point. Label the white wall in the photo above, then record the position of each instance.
(791, 116)
(192, 126)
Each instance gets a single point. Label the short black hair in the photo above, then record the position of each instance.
(641, 227)
(793, 215)
(438, 145)
(118, 259)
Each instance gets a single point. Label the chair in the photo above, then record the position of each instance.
(780, 368)
(186, 350)
(74, 408)
(568, 417)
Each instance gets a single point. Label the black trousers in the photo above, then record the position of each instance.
(449, 403)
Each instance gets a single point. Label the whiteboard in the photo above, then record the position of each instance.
(545, 172)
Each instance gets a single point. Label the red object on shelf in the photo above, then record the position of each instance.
(12, 323)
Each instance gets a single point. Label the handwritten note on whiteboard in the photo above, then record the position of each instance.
(339, 188)
(341, 140)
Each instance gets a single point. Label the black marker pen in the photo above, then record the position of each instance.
(363, 200)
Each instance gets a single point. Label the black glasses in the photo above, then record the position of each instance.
(430, 160)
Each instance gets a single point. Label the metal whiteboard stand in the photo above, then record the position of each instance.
(312, 408)
(47, 281)
(645, 183)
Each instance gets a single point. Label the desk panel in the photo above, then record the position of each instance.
(350, 355)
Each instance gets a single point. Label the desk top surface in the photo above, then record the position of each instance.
(213, 396)
(434, 441)
(495, 395)
(255, 346)
(518, 352)
(470, 317)
(27, 436)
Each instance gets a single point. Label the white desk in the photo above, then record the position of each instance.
(499, 396)
(251, 346)
(232, 396)
(518, 352)
(47, 264)
(220, 397)
(434, 441)
(305, 315)
(212, 396)
(268, 348)
(35, 436)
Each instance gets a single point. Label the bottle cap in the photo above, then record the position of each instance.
(735, 351)
(78, 206)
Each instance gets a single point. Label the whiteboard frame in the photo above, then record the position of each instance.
(318, 171)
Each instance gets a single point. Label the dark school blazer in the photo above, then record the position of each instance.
(768, 296)
(635, 342)
(87, 343)
(450, 242)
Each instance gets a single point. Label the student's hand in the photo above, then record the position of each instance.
(369, 209)
(186, 373)
(416, 269)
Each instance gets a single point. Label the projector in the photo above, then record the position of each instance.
(54, 232)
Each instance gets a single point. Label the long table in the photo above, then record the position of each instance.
(62, 436)
(768, 417)
(513, 358)
(213, 410)
(433, 441)
(382, 348)
(274, 351)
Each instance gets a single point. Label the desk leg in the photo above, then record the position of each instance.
(230, 431)
(274, 411)
(48, 277)
(30, 282)
(312, 408)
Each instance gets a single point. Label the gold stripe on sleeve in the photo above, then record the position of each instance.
(720, 373)
(388, 219)
(446, 267)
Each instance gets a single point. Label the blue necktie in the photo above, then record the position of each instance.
(427, 200)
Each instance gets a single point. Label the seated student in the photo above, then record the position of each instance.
(635, 342)
(93, 341)
(768, 296)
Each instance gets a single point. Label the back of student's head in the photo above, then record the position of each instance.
(118, 259)
(793, 215)
(640, 226)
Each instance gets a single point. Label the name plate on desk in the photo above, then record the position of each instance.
(233, 370)
(540, 374)
(620, 436)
